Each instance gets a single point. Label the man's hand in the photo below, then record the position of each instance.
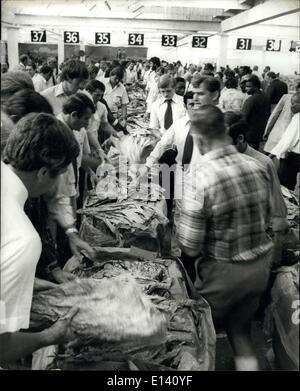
(43, 285)
(61, 332)
(77, 245)
(60, 276)
(102, 155)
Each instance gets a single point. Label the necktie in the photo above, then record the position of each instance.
(168, 115)
(188, 149)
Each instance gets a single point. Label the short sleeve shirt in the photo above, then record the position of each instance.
(115, 96)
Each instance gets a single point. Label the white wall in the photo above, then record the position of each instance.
(284, 61)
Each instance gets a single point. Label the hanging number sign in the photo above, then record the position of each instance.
(38, 36)
(71, 37)
(102, 38)
(169, 40)
(273, 45)
(199, 42)
(243, 43)
(295, 46)
(136, 39)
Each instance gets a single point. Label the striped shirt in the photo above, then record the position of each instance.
(226, 207)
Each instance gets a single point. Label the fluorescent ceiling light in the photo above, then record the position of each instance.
(107, 5)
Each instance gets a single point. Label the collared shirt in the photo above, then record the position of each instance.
(130, 76)
(231, 99)
(158, 110)
(67, 179)
(99, 117)
(115, 96)
(100, 75)
(290, 140)
(278, 122)
(56, 97)
(39, 82)
(279, 211)
(174, 136)
(153, 95)
(227, 207)
(20, 252)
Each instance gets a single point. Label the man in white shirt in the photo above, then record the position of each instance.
(288, 148)
(77, 112)
(74, 77)
(37, 152)
(116, 94)
(175, 138)
(206, 90)
(131, 74)
(102, 68)
(164, 112)
(99, 120)
(40, 80)
(168, 108)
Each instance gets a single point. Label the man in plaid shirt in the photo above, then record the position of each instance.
(226, 210)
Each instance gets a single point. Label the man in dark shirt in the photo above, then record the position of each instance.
(276, 89)
(256, 110)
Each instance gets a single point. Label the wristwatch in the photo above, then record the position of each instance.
(71, 230)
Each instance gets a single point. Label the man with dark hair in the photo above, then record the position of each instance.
(23, 61)
(179, 86)
(77, 111)
(26, 101)
(231, 98)
(276, 89)
(37, 152)
(99, 120)
(225, 212)
(12, 82)
(40, 80)
(52, 62)
(256, 110)
(31, 69)
(130, 75)
(73, 78)
(115, 94)
(96, 89)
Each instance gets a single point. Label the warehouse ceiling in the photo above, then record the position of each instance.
(183, 17)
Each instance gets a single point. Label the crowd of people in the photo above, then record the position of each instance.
(233, 136)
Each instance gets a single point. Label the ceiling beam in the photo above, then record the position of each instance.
(199, 4)
(113, 24)
(269, 10)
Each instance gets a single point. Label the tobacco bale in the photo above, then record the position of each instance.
(105, 309)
